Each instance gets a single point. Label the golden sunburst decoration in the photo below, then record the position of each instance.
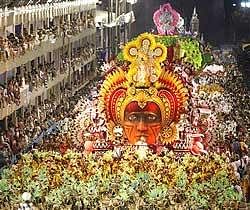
(168, 134)
(160, 53)
(172, 83)
(114, 81)
(130, 51)
(145, 56)
(146, 40)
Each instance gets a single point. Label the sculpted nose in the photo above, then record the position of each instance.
(142, 126)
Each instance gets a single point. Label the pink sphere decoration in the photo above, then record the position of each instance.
(166, 19)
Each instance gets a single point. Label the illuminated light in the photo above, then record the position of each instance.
(234, 5)
(132, 1)
(245, 4)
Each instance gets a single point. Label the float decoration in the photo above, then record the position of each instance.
(145, 87)
(179, 48)
(77, 180)
(167, 19)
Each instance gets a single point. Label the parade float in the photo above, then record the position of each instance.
(153, 136)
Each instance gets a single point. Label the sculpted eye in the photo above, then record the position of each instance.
(151, 118)
(132, 117)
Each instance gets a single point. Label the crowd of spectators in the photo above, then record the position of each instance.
(244, 64)
(83, 53)
(82, 105)
(15, 45)
(44, 72)
(10, 93)
(38, 119)
(238, 94)
(231, 106)
(35, 121)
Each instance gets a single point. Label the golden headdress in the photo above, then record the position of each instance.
(145, 81)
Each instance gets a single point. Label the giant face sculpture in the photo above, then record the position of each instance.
(147, 100)
(142, 124)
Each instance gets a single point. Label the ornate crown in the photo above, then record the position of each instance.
(145, 81)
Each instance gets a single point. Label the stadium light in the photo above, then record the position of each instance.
(245, 4)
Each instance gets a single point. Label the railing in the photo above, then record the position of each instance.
(32, 13)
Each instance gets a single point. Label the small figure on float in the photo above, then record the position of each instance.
(27, 203)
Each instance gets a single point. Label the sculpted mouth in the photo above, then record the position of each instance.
(142, 138)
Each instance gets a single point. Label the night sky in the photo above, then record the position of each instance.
(211, 14)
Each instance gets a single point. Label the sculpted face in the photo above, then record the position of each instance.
(142, 124)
